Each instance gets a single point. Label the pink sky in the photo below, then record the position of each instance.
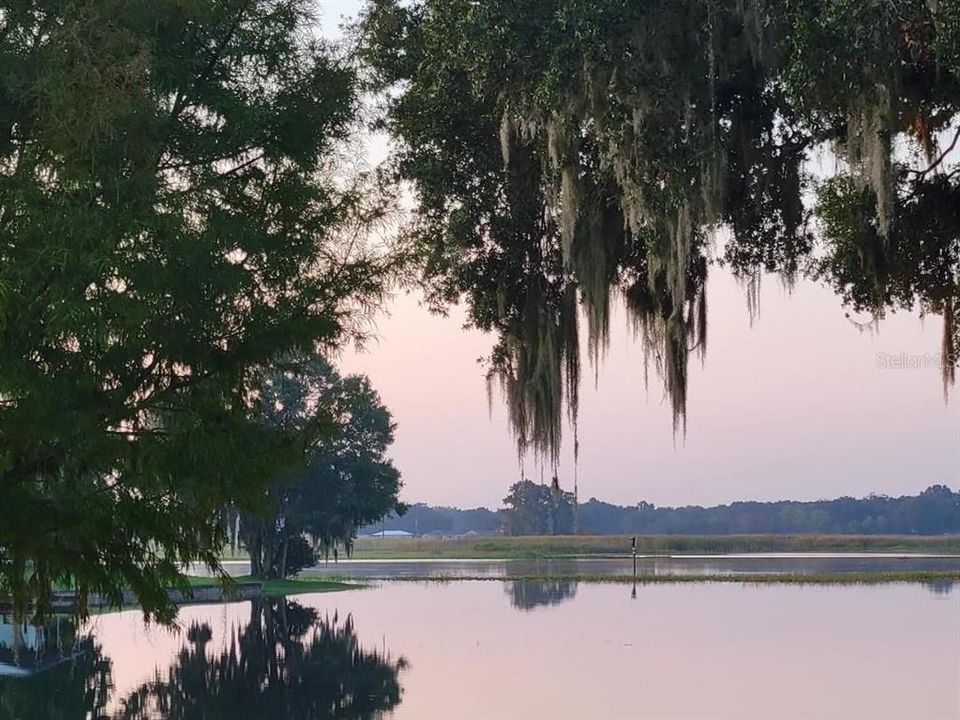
(796, 407)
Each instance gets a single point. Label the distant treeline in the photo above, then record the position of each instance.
(935, 511)
(421, 519)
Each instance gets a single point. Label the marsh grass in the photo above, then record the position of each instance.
(840, 578)
(276, 588)
(537, 547)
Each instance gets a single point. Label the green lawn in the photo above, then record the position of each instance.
(271, 588)
(291, 586)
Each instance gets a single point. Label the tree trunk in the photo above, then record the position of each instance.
(283, 559)
(256, 557)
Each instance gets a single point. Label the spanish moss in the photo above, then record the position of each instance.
(594, 155)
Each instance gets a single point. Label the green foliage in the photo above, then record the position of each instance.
(423, 519)
(934, 511)
(917, 265)
(595, 146)
(299, 556)
(168, 226)
(345, 480)
(533, 509)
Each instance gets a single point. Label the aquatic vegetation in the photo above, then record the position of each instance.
(826, 578)
(619, 545)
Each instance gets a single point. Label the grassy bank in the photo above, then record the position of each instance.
(244, 589)
(275, 588)
(599, 545)
(840, 578)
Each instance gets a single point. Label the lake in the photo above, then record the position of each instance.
(647, 566)
(520, 649)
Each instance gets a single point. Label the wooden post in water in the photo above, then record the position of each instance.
(633, 548)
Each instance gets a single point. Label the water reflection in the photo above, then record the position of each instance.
(941, 586)
(286, 661)
(531, 594)
(28, 649)
(573, 568)
(78, 688)
(704, 650)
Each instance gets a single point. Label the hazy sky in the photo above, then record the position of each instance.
(796, 407)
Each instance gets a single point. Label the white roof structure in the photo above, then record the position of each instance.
(391, 533)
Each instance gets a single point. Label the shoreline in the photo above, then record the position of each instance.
(838, 578)
(499, 547)
(206, 591)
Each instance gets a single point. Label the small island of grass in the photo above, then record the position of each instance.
(276, 588)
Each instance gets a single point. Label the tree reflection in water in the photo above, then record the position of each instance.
(531, 594)
(941, 586)
(285, 663)
(77, 689)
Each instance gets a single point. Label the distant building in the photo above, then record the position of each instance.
(391, 533)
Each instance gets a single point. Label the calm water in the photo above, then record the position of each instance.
(514, 649)
(703, 565)
(646, 566)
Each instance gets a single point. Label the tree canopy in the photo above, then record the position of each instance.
(611, 148)
(170, 223)
(934, 511)
(174, 225)
(534, 509)
(345, 480)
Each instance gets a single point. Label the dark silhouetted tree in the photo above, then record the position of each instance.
(346, 480)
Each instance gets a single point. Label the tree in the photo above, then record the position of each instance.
(169, 225)
(915, 265)
(595, 146)
(346, 481)
(533, 509)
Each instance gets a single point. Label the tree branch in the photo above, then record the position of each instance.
(936, 163)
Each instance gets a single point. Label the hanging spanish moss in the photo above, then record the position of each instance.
(949, 348)
(612, 224)
(752, 292)
(595, 149)
(535, 367)
(868, 150)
